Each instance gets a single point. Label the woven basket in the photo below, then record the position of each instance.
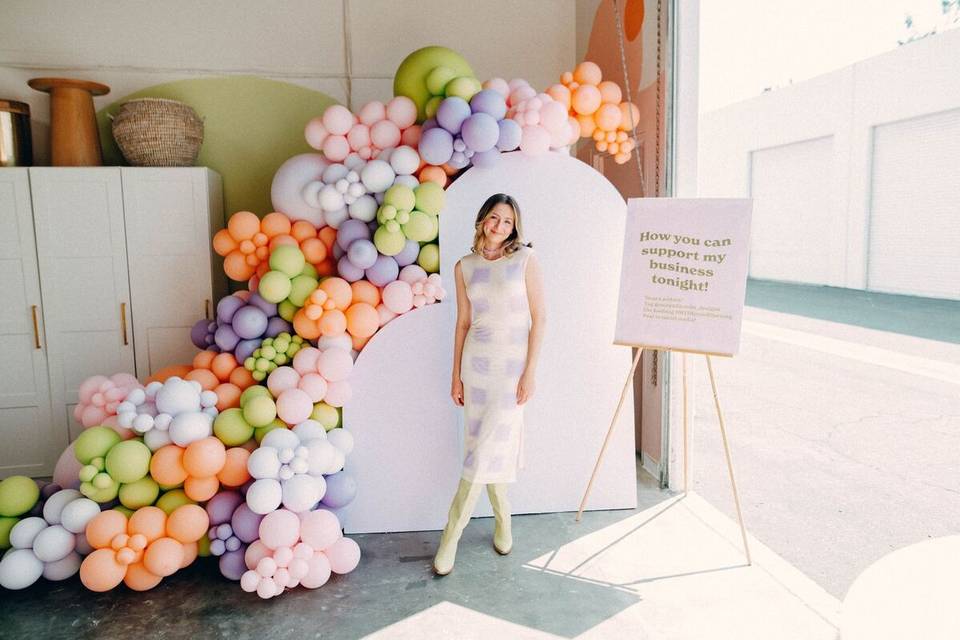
(153, 132)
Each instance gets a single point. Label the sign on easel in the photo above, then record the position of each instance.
(684, 274)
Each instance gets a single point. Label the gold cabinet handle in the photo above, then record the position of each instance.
(206, 308)
(36, 327)
(123, 322)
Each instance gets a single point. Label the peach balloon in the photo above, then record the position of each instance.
(362, 320)
(243, 225)
(630, 116)
(586, 99)
(359, 343)
(188, 523)
(275, 224)
(242, 378)
(204, 458)
(190, 552)
(610, 92)
(201, 489)
(150, 522)
(228, 396)
(313, 250)
(178, 370)
(433, 174)
(607, 117)
(304, 326)
(234, 472)
(587, 73)
(163, 557)
(205, 377)
(315, 133)
(364, 291)
(561, 94)
(104, 527)
(139, 578)
(203, 360)
(411, 136)
(100, 571)
(222, 365)
(339, 290)
(166, 466)
(332, 323)
(236, 267)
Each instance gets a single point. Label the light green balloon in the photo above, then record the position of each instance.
(385, 213)
(254, 391)
(100, 494)
(389, 243)
(128, 461)
(18, 494)
(287, 259)
(203, 546)
(300, 288)
(326, 415)
(231, 428)
(172, 500)
(274, 286)
(432, 105)
(418, 227)
(94, 442)
(435, 221)
(259, 432)
(438, 79)
(310, 270)
(400, 196)
(286, 310)
(260, 411)
(463, 87)
(430, 198)
(429, 258)
(141, 493)
(5, 525)
(411, 77)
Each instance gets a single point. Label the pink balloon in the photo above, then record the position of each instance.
(560, 137)
(255, 553)
(305, 360)
(398, 297)
(520, 94)
(318, 571)
(385, 314)
(337, 120)
(412, 273)
(411, 136)
(359, 136)
(365, 153)
(385, 134)
(280, 528)
(315, 133)
(372, 112)
(294, 406)
(344, 555)
(402, 111)
(335, 364)
(534, 140)
(319, 528)
(314, 385)
(281, 379)
(553, 116)
(499, 85)
(66, 472)
(336, 148)
(89, 387)
(338, 393)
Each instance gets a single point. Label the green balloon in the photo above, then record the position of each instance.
(432, 105)
(430, 198)
(173, 499)
(260, 411)
(286, 310)
(463, 87)
(435, 231)
(287, 259)
(310, 270)
(203, 546)
(429, 258)
(438, 79)
(252, 392)
(274, 286)
(385, 213)
(128, 461)
(259, 432)
(94, 442)
(418, 227)
(411, 77)
(389, 243)
(231, 428)
(18, 494)
(100, 494)
(326, 415)
(300, 288)
(400, 196)
(141, 493)
(5, 525)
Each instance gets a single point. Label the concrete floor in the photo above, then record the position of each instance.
(844, 436)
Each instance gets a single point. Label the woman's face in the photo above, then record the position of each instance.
(498, 225)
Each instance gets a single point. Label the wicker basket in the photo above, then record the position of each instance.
(153, 132)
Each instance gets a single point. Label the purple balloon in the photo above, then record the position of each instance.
(268, 308)
(227, 307)
(510, 133)
(200, 333)
(429, 123)
(275, 326)
(245, 349)
(486, 158)
(245, 524)
(384, 271)
(350, 230)
(480, 132)
(226, 338)
(458, 160)
(362, 254)
(220, 508)
(249, 322)
(409, 254)
(338, 252)
(341, 490)
(232, 565)
(452, 112)
(489, 102)
(348, 271)
(436, 146)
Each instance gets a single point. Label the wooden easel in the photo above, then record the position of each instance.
(723, 434)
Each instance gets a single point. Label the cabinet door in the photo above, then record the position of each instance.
(167, 218)
(81, 247)
(31, 443)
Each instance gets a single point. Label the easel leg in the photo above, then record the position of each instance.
(686, 439)
(606, 440)
(726, 450)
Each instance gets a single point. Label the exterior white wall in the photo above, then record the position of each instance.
(754, 144)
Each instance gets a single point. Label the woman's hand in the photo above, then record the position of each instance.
(526, 387)
(456, 391)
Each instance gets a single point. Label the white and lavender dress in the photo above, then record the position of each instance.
(494, 357)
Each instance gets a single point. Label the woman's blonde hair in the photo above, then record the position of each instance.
(515, 240)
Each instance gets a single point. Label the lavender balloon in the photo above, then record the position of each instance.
(486, 158)
(232, 565)
(245, 348)
(385, 270)
(227, 307)
(480, 132)
(436, 146)
(409, 254)
(249, 322)
(225, 337)
(452, 112)
(510, 133)
(201, 334)
(341, 490)
(348, 271)
(245, 524)
(268, 308)
(351, 230)
(220, 508)
(362, 254)
(489, 102)
(277, 325)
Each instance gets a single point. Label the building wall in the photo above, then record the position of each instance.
(853, 173)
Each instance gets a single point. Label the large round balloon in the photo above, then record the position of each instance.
(411, 77)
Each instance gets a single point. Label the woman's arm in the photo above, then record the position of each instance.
(538, 322)
(463, 325)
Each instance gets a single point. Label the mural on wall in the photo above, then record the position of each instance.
(251, 126)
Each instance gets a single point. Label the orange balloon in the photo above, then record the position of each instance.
(139, 578)
(449, 170)
(161, 375)
(201, 489)
(339, 290)
(204, 458)
(433, 174)
(203, 359)
(314, 250)
(166, 466)
(243, 225)
(364, 291)
(149, 522)
(362, 320)
(327, 268)
(566, 77)
(303, 230)
(607, 117)
(190, 552)
(328, 235)
(586, 99)
(629, 116)
(304, 326)
(359, 343)
(222, 365)
(242, 378)
(234, 472)
(236, 267)
(275, 224)
(228, 396)
(100, 570)
(587, 73)
(223, 242)
(587, 125)
(332, 322)
(163, 557)
(205, 377)
(188, 523)
(104, 527)
(610, 92)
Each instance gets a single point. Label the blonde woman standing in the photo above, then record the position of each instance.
(500, 324)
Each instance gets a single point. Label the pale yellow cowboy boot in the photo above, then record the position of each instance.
(460, 511)
(502, 537)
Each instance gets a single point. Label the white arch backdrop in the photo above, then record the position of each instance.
(407, 457)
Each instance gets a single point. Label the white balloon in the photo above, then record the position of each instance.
(310, 430)
(190, 427)
(264, 496)
(322, 456)
(377, 176)
(142, 422)
(155, 438)
(263, 462)
(63, 568)
(302, 492)
(326, 342)
(78, 513)
(407, 181)
(335, 172)
(19, 569)
(342, 440)
(54, 505)
(311, 193)
(364, 208)
(354, 162)
(286, 191)
(25, 532)
(334, 218)
(178, 396)
(330, 199)
(53, 543)
(280, 439)
(404, 160)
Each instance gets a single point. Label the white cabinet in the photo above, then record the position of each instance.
(116, 264)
